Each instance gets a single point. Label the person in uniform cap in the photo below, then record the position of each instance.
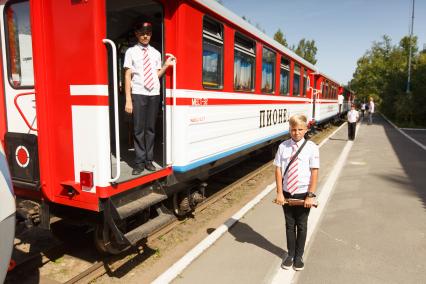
(143, 68)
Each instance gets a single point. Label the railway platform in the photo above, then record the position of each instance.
(370, 228)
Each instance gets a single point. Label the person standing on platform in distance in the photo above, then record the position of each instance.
(370, 111)
(353, 117)
(362, 109)
(299, 181)
(142, 64)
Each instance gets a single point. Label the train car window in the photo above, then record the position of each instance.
(296, 80)
(244, 63)
(315, 81)
(327, 90)
(305, 82)
(268, 71)
(212, 54)
(19, 44)
(324, 93)
(285, 77)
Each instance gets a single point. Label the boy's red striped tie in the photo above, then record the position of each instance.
(292, 176)
(148, 80)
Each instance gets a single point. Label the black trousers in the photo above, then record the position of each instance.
(296, 226)
(145, 110)
(351, 130)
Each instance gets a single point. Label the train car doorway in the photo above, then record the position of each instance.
(121, 18)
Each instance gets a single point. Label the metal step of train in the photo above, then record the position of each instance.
(141, 232)
(138, 205)
(143, 200)
(137, 200)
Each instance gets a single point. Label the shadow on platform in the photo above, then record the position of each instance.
(243, 233)
(412, 159)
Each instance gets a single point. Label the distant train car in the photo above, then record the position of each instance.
(7, 216)
(68, 138)
(325, 103)
(348, 97)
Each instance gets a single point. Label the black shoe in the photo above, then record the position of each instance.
(138, 169)
(287, 262)
(150, 167)
(298, 264)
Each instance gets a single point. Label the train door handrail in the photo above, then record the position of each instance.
(116, 122)
(15, 101)
(173, 94)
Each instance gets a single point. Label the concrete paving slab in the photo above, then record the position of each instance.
(253, 248)
(373, 230)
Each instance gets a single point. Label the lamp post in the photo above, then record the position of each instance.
(411, 46)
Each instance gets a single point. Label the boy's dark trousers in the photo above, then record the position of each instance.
(145, 110)
(351, 130)
(296, 226)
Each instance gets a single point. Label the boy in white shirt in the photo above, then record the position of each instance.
(353, 117)
(298, 182)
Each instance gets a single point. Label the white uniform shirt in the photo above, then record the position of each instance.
(353, 116)
(371, 107)
(133, 60)
(308, 159)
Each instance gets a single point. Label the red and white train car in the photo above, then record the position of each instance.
(69, 141)
(326, 101)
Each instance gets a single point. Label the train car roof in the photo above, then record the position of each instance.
(331, 79)
(231, 16)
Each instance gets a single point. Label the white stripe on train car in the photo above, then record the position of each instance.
(91, 143)
(89, 90)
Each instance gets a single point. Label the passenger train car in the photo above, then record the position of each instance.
(7, 216)
(69, 141)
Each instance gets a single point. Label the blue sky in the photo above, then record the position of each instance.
(342, 29)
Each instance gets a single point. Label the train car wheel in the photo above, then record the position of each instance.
(181, 204)
(105, 242)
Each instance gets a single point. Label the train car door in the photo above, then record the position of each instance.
(121, 17)
(19, 121)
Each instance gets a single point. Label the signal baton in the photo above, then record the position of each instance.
(295, 202)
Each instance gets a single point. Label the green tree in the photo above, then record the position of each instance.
(279, 37)
(306, 49)
(381, 73)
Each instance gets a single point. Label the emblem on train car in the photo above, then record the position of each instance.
(272, 116)
(22, 156)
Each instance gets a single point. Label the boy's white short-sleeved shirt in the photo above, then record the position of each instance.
(353, 116)
(133, 59)
(308, 159)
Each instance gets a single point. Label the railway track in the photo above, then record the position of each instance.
(103, 265)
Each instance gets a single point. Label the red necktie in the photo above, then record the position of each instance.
(148, 80)
(292, 177)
